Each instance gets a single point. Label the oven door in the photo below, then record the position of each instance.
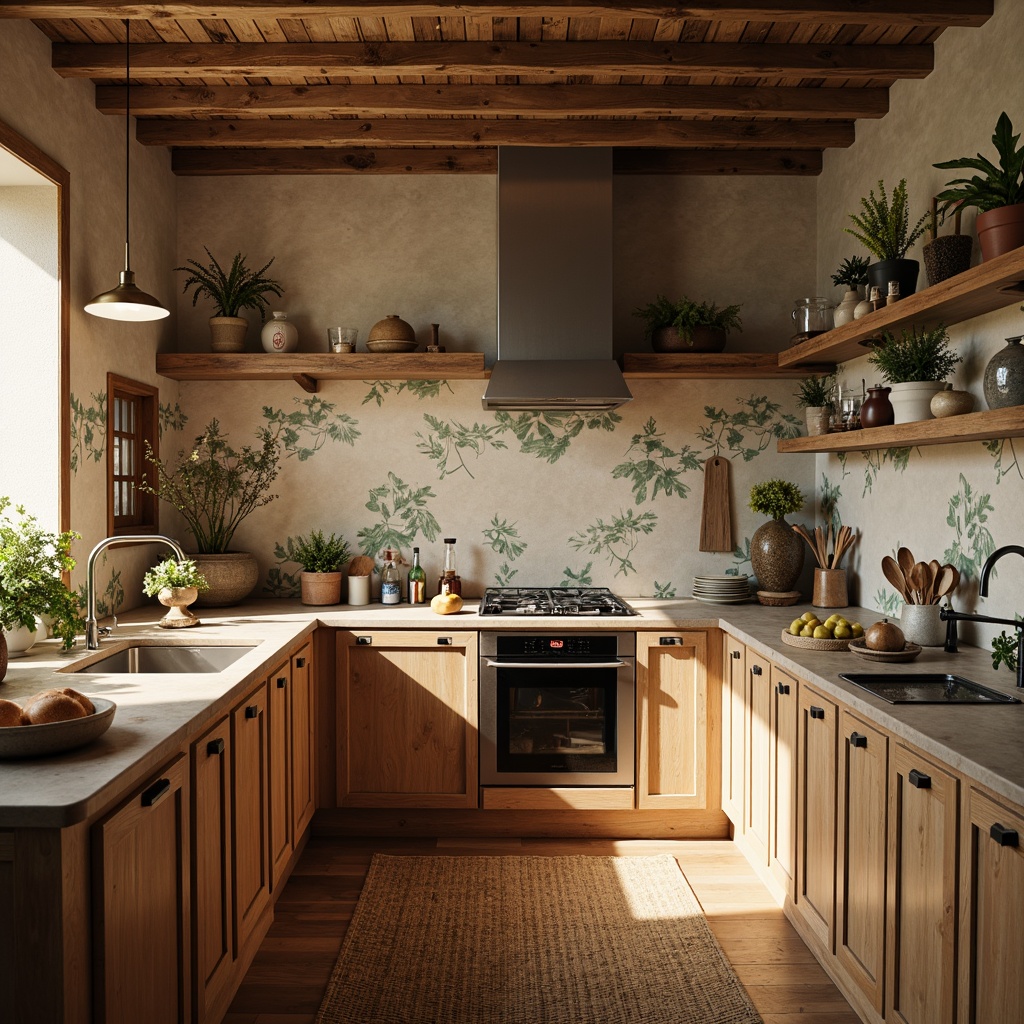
(557, 723)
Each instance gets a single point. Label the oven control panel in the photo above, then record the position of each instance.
(569, 646)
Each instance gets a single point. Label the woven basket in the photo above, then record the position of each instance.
(810, 644)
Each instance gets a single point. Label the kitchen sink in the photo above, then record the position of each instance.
(926, 688)
(164, 658)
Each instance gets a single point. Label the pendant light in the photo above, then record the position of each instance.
(127, 301)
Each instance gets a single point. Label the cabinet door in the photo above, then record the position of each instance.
(782, 780)
(251, 826)
(816, 812)
(407, 719)
(142, 906)
(922, 891)
(672, 719)
(860, 889)
(301, 737)
(757, 754)
(279, 725)
(991, 945)
(211, 864)
(734, 680)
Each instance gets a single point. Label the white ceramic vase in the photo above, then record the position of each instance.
(921, 625)
(20, 640)
(843, 313)
(278, 335)
(912, 400)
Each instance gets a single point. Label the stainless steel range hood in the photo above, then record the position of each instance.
(555, 282)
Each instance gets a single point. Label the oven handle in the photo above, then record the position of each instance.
(554, 664)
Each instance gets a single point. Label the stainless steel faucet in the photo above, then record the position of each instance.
(92, 633)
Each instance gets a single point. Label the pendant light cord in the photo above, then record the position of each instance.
(127, 137)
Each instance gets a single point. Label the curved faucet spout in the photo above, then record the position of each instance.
(92, 633)
(986, 569)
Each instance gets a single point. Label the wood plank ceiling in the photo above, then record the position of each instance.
(286, 86)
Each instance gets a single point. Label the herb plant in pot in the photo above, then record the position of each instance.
(214, 488)
(852, 275)
(321, 559)
(237, 289)
(815, 397)
(686, 326)
(883, 228)
(776, 551)
(175, 585)
(915, 365)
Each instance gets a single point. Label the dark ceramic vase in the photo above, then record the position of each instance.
(877, 410)
(1004, 376)
(776, 556)
(903, 271)
(702, 339)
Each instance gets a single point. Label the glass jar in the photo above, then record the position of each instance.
(812, 315)
(449, 582)
(390, 580)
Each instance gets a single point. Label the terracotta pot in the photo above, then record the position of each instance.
(1000, 230)
(232, 577)
(947, 256)
(776, 556)
(877, 409)
(320, 587)
(227, 333)
(177, 599)
(702, 339)
(903, 271)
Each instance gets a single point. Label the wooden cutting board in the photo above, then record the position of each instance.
(716, 514)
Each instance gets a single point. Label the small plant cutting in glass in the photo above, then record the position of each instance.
(775, 498)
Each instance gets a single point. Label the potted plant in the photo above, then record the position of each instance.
(686, 326)
(321, 559)
(883, 228)
(215, 487)
(776, 551)
(852, 275)
(915, 365)
(815, 398)
(175, 585)
(997, 192)
(240, 288)
(33, 562)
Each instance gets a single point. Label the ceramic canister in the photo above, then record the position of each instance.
(1004, 376)
(921, 625)
(278, 335)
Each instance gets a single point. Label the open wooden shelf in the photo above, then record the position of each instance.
(974, 426)
(714, 365)
(307, 369)
(990, 285)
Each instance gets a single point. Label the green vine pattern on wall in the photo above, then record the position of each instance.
(109, 600)
(280, 583)
(403, 514)
(741, 559)
(649, 464)
(747, 431)
(548, 435)
(830, 495)
(968, 514)
(1005, 461)
(503, 538)
(898, 458)
(447, 441)
(420, 388)
(617, 539)
(88, 429)
(577, 577)
(314, 423)
(170, 418)
(888, 602)
(664, 590)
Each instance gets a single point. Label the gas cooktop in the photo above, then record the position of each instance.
(552, 601)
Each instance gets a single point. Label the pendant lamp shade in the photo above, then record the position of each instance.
(127, 301)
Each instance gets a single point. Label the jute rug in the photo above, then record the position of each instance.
(531, 940)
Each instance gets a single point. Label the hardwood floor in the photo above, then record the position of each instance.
(287, 979)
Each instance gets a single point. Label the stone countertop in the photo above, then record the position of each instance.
(158, 714)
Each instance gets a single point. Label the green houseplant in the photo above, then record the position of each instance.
(851, 273)
(239, 288)
(814, 396)
(687, 326)
(176, 585)
(883, 228)
(915, 365)
(776, 551)
(215, 487)
(321, 559)
(996, 192)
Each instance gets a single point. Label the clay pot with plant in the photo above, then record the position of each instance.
(321, 559)
(814, 396)
(232, 291)
(776, 551)
(687, 326)
(915, 365)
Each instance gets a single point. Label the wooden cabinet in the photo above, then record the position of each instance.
(922, 891)
(816, 813)
(757, 755)
(861, 851)
(677, 753)
(303, 762)
(782, 740)
(142, 905)
(406, 719)
(279, 769)
(992, 895)
(734, 681)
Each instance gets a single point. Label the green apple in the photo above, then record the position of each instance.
(822, 633)
(795, 626)
(808, 630)
(856, 630)
(843, 631)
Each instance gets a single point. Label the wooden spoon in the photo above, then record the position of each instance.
(906, 562)
(894, 574)
(933, 588)
(919, 576)
(944, 585)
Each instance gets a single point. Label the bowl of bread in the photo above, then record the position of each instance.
(51, 721)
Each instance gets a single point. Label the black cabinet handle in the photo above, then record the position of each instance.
(300, 662)
(858, 739)
(1004, 836)
(252, 711)
(782, 689)
(444, 641)
(817, 712)
(282, 682)
(364, 641)
(736, 655)
(670, 641)
(160, 788)
(215, 747)
(919, 780)
(755, 670)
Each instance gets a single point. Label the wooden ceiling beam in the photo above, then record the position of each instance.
(859, 12)
(491, 132)
(203, 60)
(555, 100)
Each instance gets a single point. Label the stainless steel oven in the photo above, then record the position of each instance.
(557, 709)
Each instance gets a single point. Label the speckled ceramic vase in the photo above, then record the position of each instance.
(1004, 376)
(232, 577)
(776, 556)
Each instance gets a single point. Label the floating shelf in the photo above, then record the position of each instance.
(307, 369)
(990, 285)
(973, 426)
(714, 366)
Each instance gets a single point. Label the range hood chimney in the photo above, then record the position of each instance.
(555, 282)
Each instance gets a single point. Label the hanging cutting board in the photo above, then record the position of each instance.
(716, 515)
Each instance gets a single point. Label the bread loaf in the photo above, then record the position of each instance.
(10, 713)
(87, 705)
(56, 707)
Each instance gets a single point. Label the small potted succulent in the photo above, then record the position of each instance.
(815, 398)
(239, 288)
(175, 585)
(852, 275)
(776, 551)
(915, 365)
(687, 326)
(321, 559)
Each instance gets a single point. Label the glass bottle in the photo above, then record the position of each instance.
(417, 580)
(390, 580)
(449, 582)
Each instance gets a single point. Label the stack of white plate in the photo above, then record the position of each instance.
(724, 589)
